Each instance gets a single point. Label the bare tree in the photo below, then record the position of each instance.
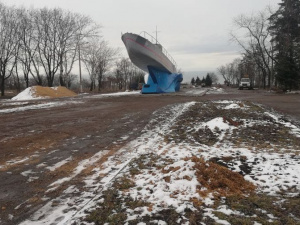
(105, 59)
(119, 78)
(256, 41)
(98, 58)
(231, 72)
(9, 44)
(67, 45)
(29, 46)
(60, 34)
(213, 77)
(90, 59)
(222, 71)
(48, 41)
(43, 43)
(74, 30)
(126, 74)
(124, 67)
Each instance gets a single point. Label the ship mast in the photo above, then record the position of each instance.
(156, 35)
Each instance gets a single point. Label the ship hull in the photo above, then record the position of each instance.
(150, 58)
(143, 53)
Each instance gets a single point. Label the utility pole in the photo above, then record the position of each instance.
(80, 79)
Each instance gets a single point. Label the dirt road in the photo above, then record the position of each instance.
(39, 147)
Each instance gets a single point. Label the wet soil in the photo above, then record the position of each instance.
(33, 138)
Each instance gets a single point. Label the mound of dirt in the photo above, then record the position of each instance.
(39, 92)
(55, 92)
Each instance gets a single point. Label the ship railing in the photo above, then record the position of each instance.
(153, 40)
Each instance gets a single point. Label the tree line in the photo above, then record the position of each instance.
(125, 75)
(206, 81)
(41, 46)
(270, 42)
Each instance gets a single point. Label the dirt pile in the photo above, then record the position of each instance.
(39, 92)
(55, 92)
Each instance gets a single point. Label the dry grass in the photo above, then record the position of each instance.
(257, 207)
(124, 183)
(219, 180)
(171, 169)
(232, 122)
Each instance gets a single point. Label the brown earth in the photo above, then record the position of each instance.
(53, 92)
(56, 92)
(80, 130)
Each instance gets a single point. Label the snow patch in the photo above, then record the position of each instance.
(217, 123)
(38, 106)
(59, 164)
(126, 93)
(232, 106)
(28, 94)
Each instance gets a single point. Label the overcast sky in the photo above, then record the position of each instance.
(194, 32)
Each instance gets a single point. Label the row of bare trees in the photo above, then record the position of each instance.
(126, 75)
(121, 74)
(99, 58)
(270, 48)
(252, 34)
(41, 44)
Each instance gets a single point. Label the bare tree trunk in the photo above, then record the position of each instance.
(99, 84)
(92, 86)
(2, 85)
(18, 79)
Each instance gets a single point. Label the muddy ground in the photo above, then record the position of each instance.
(32, 138)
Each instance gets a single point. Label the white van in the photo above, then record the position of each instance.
(245, 83)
